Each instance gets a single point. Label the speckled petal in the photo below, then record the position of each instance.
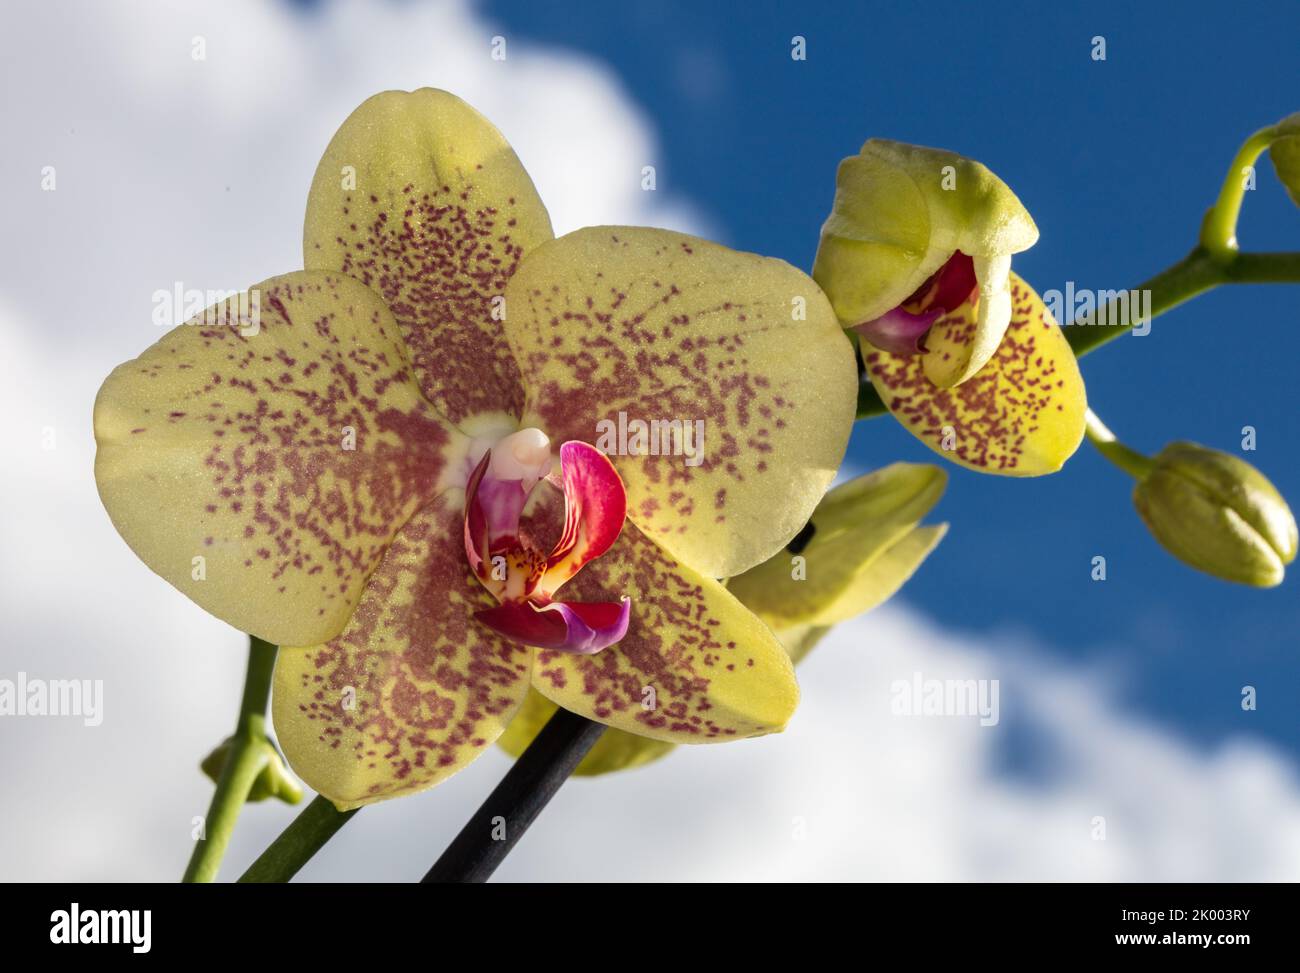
(1020, 415)
(696, 666)
(261, 458)
(659, 326)
(420, 197)
(414, 689)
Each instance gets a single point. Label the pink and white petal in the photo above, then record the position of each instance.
(695, 666)
(595, 507)
(666, 327)
(421, 198)
(579, 627)
(261, 457)
(414, 688)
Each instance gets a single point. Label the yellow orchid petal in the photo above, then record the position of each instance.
(867, 524)
(261, 457)
(801, 639)
(696, 666)
(615, 750)
(1022, 414)
(421, 198)
(414, 688)
(619, 750)
(875, 247)
(615, 326)
(865, 544)
(883, 575)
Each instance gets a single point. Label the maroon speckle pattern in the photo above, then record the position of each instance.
(431, 685)
(653, 348)
(264, 415)
(994, 413)
(438, 256)
(676, 643)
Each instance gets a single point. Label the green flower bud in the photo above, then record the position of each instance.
(1285, 153)
(272, 780)
(1218, 514)
(901, 212)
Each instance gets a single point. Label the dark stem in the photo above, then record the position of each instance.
(316, 824)
(503, 818)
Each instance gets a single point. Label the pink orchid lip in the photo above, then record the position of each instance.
(902, 331)
(898, 332)
(524, 581)
(582, 628)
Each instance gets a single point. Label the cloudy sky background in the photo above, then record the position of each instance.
(171, 169)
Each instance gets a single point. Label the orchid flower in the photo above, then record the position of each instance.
(864, 541)
(916, 259)
(358, 465)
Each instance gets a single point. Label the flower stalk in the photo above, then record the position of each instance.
(502, 819)
(1129, 460)
(486, 838)
(242, 767)
(1219, 229)
(318, 823)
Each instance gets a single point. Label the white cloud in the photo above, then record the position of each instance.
(171, 169)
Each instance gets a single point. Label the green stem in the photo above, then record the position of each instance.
(316, 824)
(1263, 268)
(1195, 274)
(1219, 229)
(243, 764)
(1129, 460)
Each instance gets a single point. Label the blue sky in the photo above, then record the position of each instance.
(1117, 160)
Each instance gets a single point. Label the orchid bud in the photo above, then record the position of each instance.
(272, 779)
(912, 233)
(1285, 153)
(1218, 514)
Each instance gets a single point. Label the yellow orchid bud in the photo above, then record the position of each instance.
(864, 541)
(1218, 514)
(1285, 153)
(272, 780)
(904, 218)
